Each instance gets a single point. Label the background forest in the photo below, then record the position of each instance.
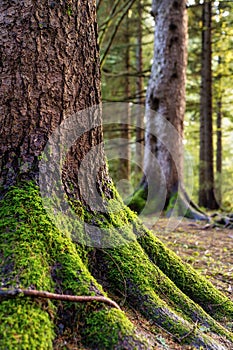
(126, 38)
(78, 268)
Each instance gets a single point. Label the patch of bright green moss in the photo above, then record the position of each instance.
(24, 326)
(103, 329)
(35, 253)
(137, 201)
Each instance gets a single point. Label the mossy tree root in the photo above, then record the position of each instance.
(35, 254)
(188, 280)
(149, 290)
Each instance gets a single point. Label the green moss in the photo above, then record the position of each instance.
(36, 254)
(104, 328)
(171, 203)
(25, 264)
(24, 326)
(154, 294)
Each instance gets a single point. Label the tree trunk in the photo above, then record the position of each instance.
(162, 184)
(125, 151)
(219, 151)
(139, 91)
(41, 87)
(49, 93)
(219, 138)
(165, 102)
(206, 169)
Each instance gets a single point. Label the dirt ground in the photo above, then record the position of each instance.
(209, 250)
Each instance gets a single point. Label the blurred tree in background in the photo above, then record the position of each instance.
(126, 35)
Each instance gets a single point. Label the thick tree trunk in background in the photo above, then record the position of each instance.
(206, 168)
(165, 108)
(50, 78)
(166, 90)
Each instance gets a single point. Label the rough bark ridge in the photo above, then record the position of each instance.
(36, 253)
(162, 184)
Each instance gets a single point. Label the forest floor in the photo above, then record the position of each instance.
(208, 250)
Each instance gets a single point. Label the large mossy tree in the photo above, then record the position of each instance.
(50, 73)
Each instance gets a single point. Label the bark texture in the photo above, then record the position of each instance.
(206, 169)
(49, 71)
(139, 91)
(125, 151)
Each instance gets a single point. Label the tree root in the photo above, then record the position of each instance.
(188, 280)
(156, 297)
(36, 255)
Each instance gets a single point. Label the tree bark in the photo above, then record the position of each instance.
(125, 151)
(219, 151)
(219, 137)
(165, 101)
(206, 170)
(40, 84)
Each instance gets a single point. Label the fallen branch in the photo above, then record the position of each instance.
(9, 293)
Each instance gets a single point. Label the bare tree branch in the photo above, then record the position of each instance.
(10, 293)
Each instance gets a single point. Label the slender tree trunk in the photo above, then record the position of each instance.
(206, 172)
(125, 151)
(219, 152)
(219, 140)
(139, 99)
